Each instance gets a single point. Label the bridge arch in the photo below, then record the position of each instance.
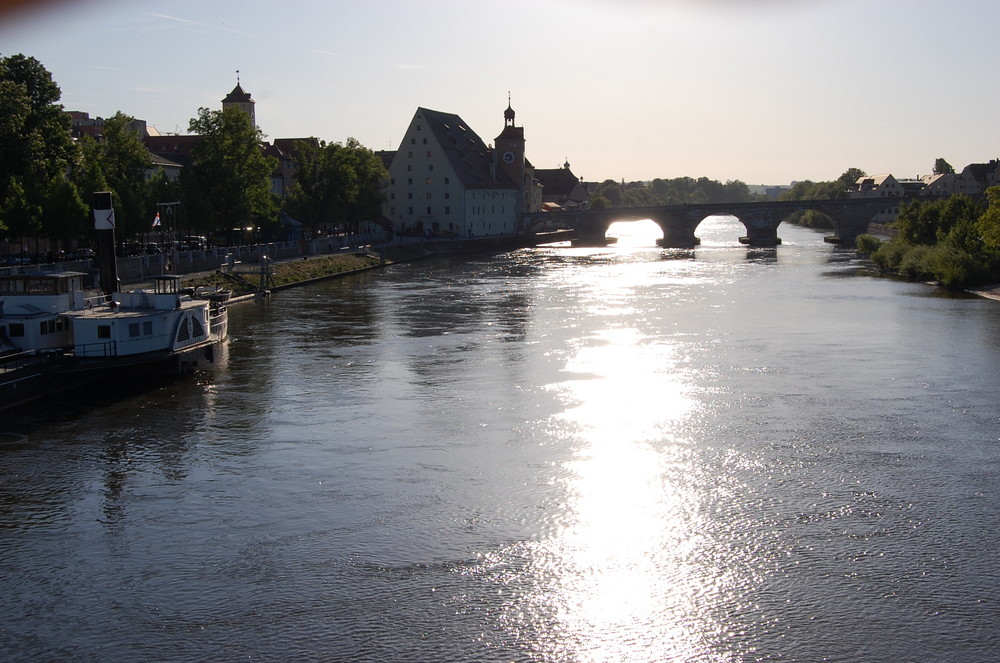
(850, 218)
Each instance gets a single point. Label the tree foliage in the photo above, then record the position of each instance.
(118, 162)
(232, 176)
(677, 191)
(336, 185)
(35, 145)
(954, 241)
(832, 190)
(942, 167)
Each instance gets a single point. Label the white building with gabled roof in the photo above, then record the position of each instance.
(444, 180)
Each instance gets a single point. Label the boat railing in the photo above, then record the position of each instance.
(102, 349)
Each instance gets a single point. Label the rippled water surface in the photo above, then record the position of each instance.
(558, 454)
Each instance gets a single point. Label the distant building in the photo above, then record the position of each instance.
(977, 177)
(879, 186)
(284, 150)
(81, 124)
(561, 187)
(241, 99)
(178, 148)
(444, 180)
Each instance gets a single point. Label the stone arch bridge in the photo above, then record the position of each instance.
(850, 217)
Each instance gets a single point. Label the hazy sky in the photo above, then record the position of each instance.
(764, 91)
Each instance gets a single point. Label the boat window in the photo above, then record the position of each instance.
(147, 328)
(103, 331)
(184, 333)
(198, 329)
(16, 329)
(133, 329)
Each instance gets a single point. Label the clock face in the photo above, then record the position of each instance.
(508, 157)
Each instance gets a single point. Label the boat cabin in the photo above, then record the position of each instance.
(33, 310)
(161, 320)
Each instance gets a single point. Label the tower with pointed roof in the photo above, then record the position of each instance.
(240, 99)
(508, 151)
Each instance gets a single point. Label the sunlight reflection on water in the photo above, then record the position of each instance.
(622, 579)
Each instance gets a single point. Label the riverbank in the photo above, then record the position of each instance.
(988, 291)
(302, 270)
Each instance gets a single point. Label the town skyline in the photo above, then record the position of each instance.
(763, 92)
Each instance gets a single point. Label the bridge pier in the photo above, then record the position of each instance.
(762, 226)
(591, 234)
(678, 226)
(848, 224)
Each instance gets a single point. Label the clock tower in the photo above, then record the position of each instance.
(508, 153)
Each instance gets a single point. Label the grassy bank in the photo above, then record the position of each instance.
(306, 269)
(289, 272)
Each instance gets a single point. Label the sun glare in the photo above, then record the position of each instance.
(638, 234)
(622, 570)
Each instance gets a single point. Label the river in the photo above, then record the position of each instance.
(556, 454)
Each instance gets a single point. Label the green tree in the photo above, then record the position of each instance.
(35, 145)
(917, 222)
(118, 162)
(371, 176)
(989, 222)
(232, 173)
(612, 191)
(832, 190)
(942, 167)
(336, 184)
(598, 201)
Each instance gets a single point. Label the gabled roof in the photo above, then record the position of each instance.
(237, 96)
(176, 148)
(557, 181)
(875, 180)
(979, 171)
(466, 151)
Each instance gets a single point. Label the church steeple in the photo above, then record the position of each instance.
(508, 115)
(240, 99)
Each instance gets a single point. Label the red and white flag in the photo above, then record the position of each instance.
(156, 220)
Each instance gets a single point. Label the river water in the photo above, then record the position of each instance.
(555, 454)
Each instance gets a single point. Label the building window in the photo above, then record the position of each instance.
(409, 167)
(409, 180)
(410, 195)
(428, 180)
(428, 211)
(447, 195)
(430, 167)
(392, 196)
(425, 141)
(392, 211)
(446, 181)
(409, 211)
(427, 195)
(410, 154)
(392, 181)
(428, 154)
(447, 210)
(413, 141)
